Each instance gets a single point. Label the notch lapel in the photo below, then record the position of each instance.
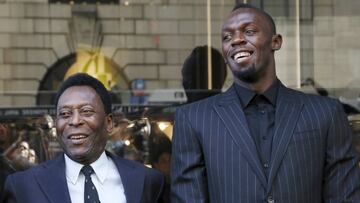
(230, 112)
(52, 181)
(288, 109)
(132, 180)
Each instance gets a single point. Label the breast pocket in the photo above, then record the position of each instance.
(306, 134)
(307, 137)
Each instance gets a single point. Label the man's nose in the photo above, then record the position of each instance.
(238, 38)
(75, 119)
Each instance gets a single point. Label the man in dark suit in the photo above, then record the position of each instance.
(85, 172)
(260, 141)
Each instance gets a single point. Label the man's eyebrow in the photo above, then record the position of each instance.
(76, 106)
(228, 28)
(62, 107)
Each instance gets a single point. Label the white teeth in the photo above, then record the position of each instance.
(76, 137)
(241, 54)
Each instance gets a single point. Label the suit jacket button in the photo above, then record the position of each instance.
(270, 199)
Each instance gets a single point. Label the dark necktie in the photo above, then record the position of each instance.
(90, 192)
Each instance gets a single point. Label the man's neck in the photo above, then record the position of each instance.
(258, 86)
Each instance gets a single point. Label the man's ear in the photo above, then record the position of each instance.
(276, 42)
(109, 123)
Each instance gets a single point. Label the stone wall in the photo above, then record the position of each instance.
(150, 39)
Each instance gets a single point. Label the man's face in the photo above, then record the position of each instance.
(82, 125)
(248, 44)
(163, 164)
(24, 149)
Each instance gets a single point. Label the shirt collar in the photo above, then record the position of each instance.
(246, 95)
(271, 93)
(100, 166)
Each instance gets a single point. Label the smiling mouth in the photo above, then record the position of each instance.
(78, 138)
(241, 56)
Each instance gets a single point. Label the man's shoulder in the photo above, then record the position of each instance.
(311, 96)
(314, 100)
(204, 103)
(40, 168)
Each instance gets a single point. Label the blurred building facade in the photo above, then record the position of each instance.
(150, 39)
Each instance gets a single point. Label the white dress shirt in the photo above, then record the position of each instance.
(106, 179)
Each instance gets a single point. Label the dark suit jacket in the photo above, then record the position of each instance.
(214, 157)
(47, 183)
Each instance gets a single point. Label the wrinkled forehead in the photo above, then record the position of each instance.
(247, 15)
(78, 95)
(77, 90)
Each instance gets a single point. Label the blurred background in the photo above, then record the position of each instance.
(154, 55)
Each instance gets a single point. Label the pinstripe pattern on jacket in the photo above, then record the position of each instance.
(215, 158)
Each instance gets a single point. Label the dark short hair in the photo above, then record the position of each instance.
(83, 79)
(268, 16)
(195, 73)
(195, 68)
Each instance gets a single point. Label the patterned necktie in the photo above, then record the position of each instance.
(90, 192)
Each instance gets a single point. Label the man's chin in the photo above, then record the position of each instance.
(247, 75)
(249, 79)
(78, 156)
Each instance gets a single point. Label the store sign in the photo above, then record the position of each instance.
(19, 112)
(10, 113)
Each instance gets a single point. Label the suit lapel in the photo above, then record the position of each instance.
(230, 112)
(132, 180)
(288, 109)
(52, 181)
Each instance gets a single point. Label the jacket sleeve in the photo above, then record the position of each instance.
(153, 186)
(342, 173)
(189, 181)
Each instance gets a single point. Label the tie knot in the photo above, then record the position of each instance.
(87, 170)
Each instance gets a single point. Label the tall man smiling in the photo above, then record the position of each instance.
(85, 172)
(260, 141)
